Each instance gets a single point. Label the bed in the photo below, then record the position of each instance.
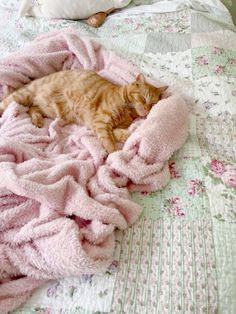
(180, 255)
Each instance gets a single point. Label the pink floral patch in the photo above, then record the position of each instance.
(174, 206)
(217, 167)
(229, 176)
(173, 170)
(174, 200)
(113, 267)
(219, 69)
(195, 186)
(202, 60)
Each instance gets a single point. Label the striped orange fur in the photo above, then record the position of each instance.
(79, 96)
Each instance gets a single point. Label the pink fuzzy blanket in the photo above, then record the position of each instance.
(61, 198)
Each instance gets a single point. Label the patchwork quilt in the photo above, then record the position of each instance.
(180, 256)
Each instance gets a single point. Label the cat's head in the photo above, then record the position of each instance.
(143, 95)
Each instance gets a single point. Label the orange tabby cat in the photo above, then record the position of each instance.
(79, 96)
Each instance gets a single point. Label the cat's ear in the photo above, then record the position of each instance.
(162, 89)
(140, 78)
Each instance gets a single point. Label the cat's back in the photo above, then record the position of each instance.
(86, 82)
(60, 78)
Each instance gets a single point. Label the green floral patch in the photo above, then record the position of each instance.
(177, 22)
(183, 198)
(213, 61)
(221, 187)
(222, 172)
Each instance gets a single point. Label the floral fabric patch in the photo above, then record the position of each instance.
(213, 61)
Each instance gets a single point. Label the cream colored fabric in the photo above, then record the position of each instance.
(68, 9)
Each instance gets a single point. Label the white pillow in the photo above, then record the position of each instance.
(68, 9)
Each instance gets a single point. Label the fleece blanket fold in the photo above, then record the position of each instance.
(61, 197)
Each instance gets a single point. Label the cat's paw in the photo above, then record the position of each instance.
(109, 147)
(37, 119)
(121, 135)
(36, 116)
(97, 19)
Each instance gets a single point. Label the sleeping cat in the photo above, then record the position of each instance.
(80, 96)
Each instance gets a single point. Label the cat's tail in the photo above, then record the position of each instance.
(21, 96)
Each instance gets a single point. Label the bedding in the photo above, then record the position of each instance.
(63, 187)
(180, 255)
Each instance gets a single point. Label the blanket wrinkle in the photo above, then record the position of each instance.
(61, 196)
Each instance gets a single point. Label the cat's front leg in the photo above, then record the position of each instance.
(105, 134)
(36, 116)
(121, 135)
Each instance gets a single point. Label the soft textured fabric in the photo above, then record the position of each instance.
(60, 197)
(60, 202)
(69, 9)
(60, 50)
